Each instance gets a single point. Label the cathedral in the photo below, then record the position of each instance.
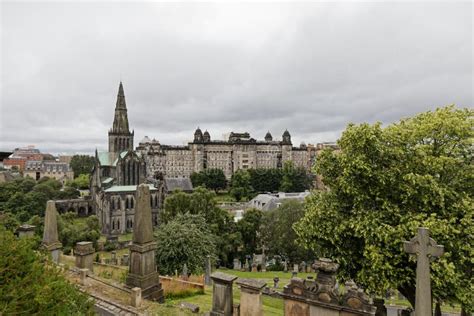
(118, 171)
(116, 175)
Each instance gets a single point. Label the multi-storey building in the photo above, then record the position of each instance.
(37, 169)
(239, 151)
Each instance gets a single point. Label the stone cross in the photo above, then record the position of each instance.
(50, 235)
(423, 247)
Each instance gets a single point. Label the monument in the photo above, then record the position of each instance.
(423, 247)
(142, 269)
(50, 235)
(84, 253)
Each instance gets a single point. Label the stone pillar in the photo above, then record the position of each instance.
(50, 235)
(251, 297)
(26, 230)
(83, 274)
(142, 270)
(84, 253)
(125, 259)
(222, 301)
(208, 271)
(184, 274)
(136, 297)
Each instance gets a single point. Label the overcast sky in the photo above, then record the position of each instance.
(310, 68)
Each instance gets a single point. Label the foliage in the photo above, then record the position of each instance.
(81, 164)
(384, 184)
(218, 221)
(186, 239)
(25, 198)
(81, 182)
(249, 227)
(294, 179)
(265, 180)
(30, 284)
(72, 229)
(278, 235)
(240, 185)
(213, 179)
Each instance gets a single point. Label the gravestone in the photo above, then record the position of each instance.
(222, 301)
(125, 259)
(251, 296)
(254, 266)
(184, 274)
(237, 264)
(142, 270)
(114, 257)
(275, 282)
(264, 263)
(50, 235)
(423, 247)
(26, 230)
(303, 266)
(285, 266)
(295, 267)
(84, 253)
(246, 266)
(208, 271)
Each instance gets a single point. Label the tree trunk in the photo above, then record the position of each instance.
(437, 311)
(409, 293)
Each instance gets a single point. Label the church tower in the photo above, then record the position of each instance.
(120, 138)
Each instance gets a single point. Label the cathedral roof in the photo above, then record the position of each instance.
(127, 188)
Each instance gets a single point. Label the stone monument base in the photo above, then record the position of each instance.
(150, 285)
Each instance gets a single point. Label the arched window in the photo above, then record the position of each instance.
(118, 224)
(131, 202)
(156, 200)
(112, 204)
(113, 224)
(127, 205)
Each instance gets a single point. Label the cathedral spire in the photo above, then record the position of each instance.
(120, 138)
(121, 118)
(121, 98)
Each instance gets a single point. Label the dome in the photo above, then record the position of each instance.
(268, 137)
(145, 140)
(198, 132)
(286, 133)
(207, 136)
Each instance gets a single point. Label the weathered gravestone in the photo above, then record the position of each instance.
(423, 247)
(26, 230)
(50, 235)
(184, 274)
(251, 297)
(142, 269)
(222, 301)
(84, 253)
(208, 271)
(237, 264)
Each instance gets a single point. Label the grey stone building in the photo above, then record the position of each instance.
(116, 175)
(239, 151)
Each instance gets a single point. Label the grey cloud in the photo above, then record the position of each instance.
(308, 67)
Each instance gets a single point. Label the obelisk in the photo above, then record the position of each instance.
(50, 235)
(142, 268)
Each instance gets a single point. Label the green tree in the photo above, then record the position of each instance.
(213, 179)
(384, 184)
(186, 239)
(249, 228)
(219, 222)
(80, 182)
(32, 285)
(278, 234)
(240, 185)
(294, 179)
(72, 229)
(81, 164)
(265, 180)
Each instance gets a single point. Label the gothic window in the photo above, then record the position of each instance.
(127, 205)
(113, 224)
(156, 200)
(131, 202)
(118, 224)
(112, 202)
